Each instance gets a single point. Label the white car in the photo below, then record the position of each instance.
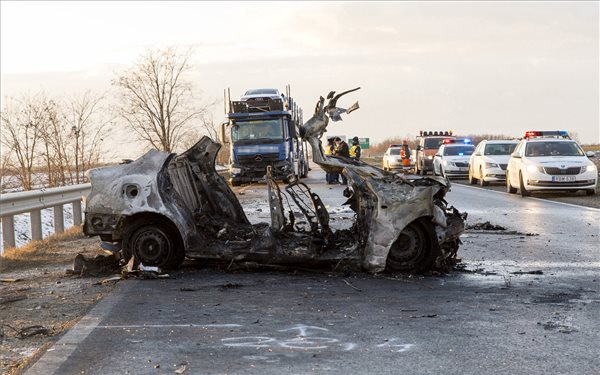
(392, 158)
(488, 162)
(452, 158)
(257, 94)
(550, 161)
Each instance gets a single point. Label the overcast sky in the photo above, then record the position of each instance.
(473, 67)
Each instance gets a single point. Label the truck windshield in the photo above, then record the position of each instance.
(257, 129)
(432, 143)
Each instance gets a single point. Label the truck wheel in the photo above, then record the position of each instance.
(156, 244)
(415, 250)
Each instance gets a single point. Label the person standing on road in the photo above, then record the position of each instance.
(330, 178)
(355, 149)
(341, 149)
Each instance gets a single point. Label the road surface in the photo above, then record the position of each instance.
(526, 303)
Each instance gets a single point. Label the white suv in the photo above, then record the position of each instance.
(488, 162)
(550, 160)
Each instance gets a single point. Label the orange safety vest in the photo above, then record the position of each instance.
(405, 158)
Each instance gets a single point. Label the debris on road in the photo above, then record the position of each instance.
(535, 272)
(484, 226)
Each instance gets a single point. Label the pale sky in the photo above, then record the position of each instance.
(473, 67)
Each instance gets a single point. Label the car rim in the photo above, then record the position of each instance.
(151, 246)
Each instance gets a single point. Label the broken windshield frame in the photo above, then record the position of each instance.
(251, 130)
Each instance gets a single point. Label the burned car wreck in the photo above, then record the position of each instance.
(164, 207)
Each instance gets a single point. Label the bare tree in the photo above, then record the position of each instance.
(87, 124)
(156, 100)
(22, 124)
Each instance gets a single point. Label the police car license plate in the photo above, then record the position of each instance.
(563, 178)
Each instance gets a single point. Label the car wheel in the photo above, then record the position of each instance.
(415, 250)
(522, 190)
(472, 179)
(482, 182)
(590, 192)
(509, 188)
(156, 244)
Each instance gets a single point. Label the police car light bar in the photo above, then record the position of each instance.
(547, 133)
(429, 133)
(466, 141)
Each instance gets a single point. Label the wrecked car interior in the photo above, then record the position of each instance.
(162, 208)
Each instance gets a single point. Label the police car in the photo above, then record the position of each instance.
(550, 160)
(488, 162)
(452, 158)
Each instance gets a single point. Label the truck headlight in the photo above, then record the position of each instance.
(236, 170)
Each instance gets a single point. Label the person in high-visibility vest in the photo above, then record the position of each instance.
(331, 178)
(355, 149)
(405, 155)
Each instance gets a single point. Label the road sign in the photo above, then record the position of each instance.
(364, 143)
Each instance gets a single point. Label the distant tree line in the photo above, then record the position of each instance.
(47, 141)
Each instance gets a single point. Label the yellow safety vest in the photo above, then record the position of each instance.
(328, 150)
(353, 151)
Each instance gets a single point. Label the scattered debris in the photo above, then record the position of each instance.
(7, 299)
(101, 264)
(554, 326)
(484, 226)
(182, 368)
(10, 280)
(351, 286)
(535, 272)
(115, 278)
(424, 316)
(29, 331)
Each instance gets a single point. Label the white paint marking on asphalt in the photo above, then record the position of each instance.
(537, 199)
(51, 362)
(126, 326)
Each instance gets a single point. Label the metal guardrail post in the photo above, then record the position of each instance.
(36, 224)
(77, 217)
(59, 219)
(8, 232)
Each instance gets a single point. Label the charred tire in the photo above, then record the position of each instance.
(472, 179)
(415, 250)
(509, 188)
(522, 190)
(482, 182)
(155, 244)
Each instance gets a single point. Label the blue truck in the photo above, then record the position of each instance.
(263, 130)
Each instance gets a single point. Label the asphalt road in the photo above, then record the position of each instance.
(492, 318)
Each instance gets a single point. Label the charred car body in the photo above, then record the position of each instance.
(165, 207)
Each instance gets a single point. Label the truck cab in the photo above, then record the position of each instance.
(428, 144)
(263, 131)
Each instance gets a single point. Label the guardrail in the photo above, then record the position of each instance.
(34, 201)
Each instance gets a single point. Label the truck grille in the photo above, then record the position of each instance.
(559, 171)
(258, 158)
